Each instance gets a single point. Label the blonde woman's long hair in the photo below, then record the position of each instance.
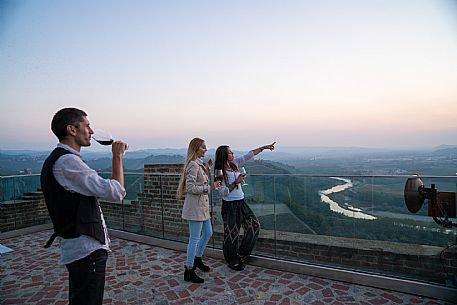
(194, 145)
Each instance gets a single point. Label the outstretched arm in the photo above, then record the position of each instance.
(262, 148)
(243, 159)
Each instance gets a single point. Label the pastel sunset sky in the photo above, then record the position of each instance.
(368, 73)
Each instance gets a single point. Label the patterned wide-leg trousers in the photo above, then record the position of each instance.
(234, 214)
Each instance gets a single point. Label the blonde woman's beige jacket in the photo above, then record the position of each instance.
(196, 202)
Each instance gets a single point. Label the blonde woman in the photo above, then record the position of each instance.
(194, 188)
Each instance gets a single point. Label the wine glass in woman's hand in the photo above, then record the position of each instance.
(243, 173)
(218, 175)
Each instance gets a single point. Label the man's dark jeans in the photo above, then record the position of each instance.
(87, 279)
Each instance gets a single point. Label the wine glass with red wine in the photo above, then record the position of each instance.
(103, 137)
(218, 175)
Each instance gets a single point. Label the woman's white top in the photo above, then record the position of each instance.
(237, 193)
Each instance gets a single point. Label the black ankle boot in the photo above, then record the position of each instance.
(239, 266)
(189, 275)
(236, 267)
(198, 263)
(241, 260)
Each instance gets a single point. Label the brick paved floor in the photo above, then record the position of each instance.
(143, 274)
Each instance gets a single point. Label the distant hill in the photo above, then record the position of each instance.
(444, 146)
(21, 164)
(450, 152)
(32, 163)
(441, 160)
(90, 154)
(158, 152)
(130, 164)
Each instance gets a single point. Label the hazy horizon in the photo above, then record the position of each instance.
(374, 74)
(95, 148)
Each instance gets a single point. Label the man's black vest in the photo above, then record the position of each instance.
(72, 214)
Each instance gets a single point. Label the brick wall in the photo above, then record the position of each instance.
(17, 214)
(387, 258)
(157, 212)
(161, 181)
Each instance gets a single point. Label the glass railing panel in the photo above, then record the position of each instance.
(143, 205)
(259, 195)
(23, 202)
(112, 211)
(7, 188)
(127, 215)
(18, 187)
(304, 221)
(362, 224)
(296, 216)
(403, 233)
(216, 220)
(362, 234)
(133, 205)
(377, 201)
(174, 227)
(149, 207)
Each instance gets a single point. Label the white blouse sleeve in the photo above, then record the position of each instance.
(243, 159)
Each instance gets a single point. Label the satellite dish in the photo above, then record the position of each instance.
(414, 195)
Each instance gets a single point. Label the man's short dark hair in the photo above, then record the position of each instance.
(65, 117)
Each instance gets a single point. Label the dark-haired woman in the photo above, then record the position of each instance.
(235, 212)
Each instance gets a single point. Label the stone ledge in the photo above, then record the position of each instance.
(345, 242)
